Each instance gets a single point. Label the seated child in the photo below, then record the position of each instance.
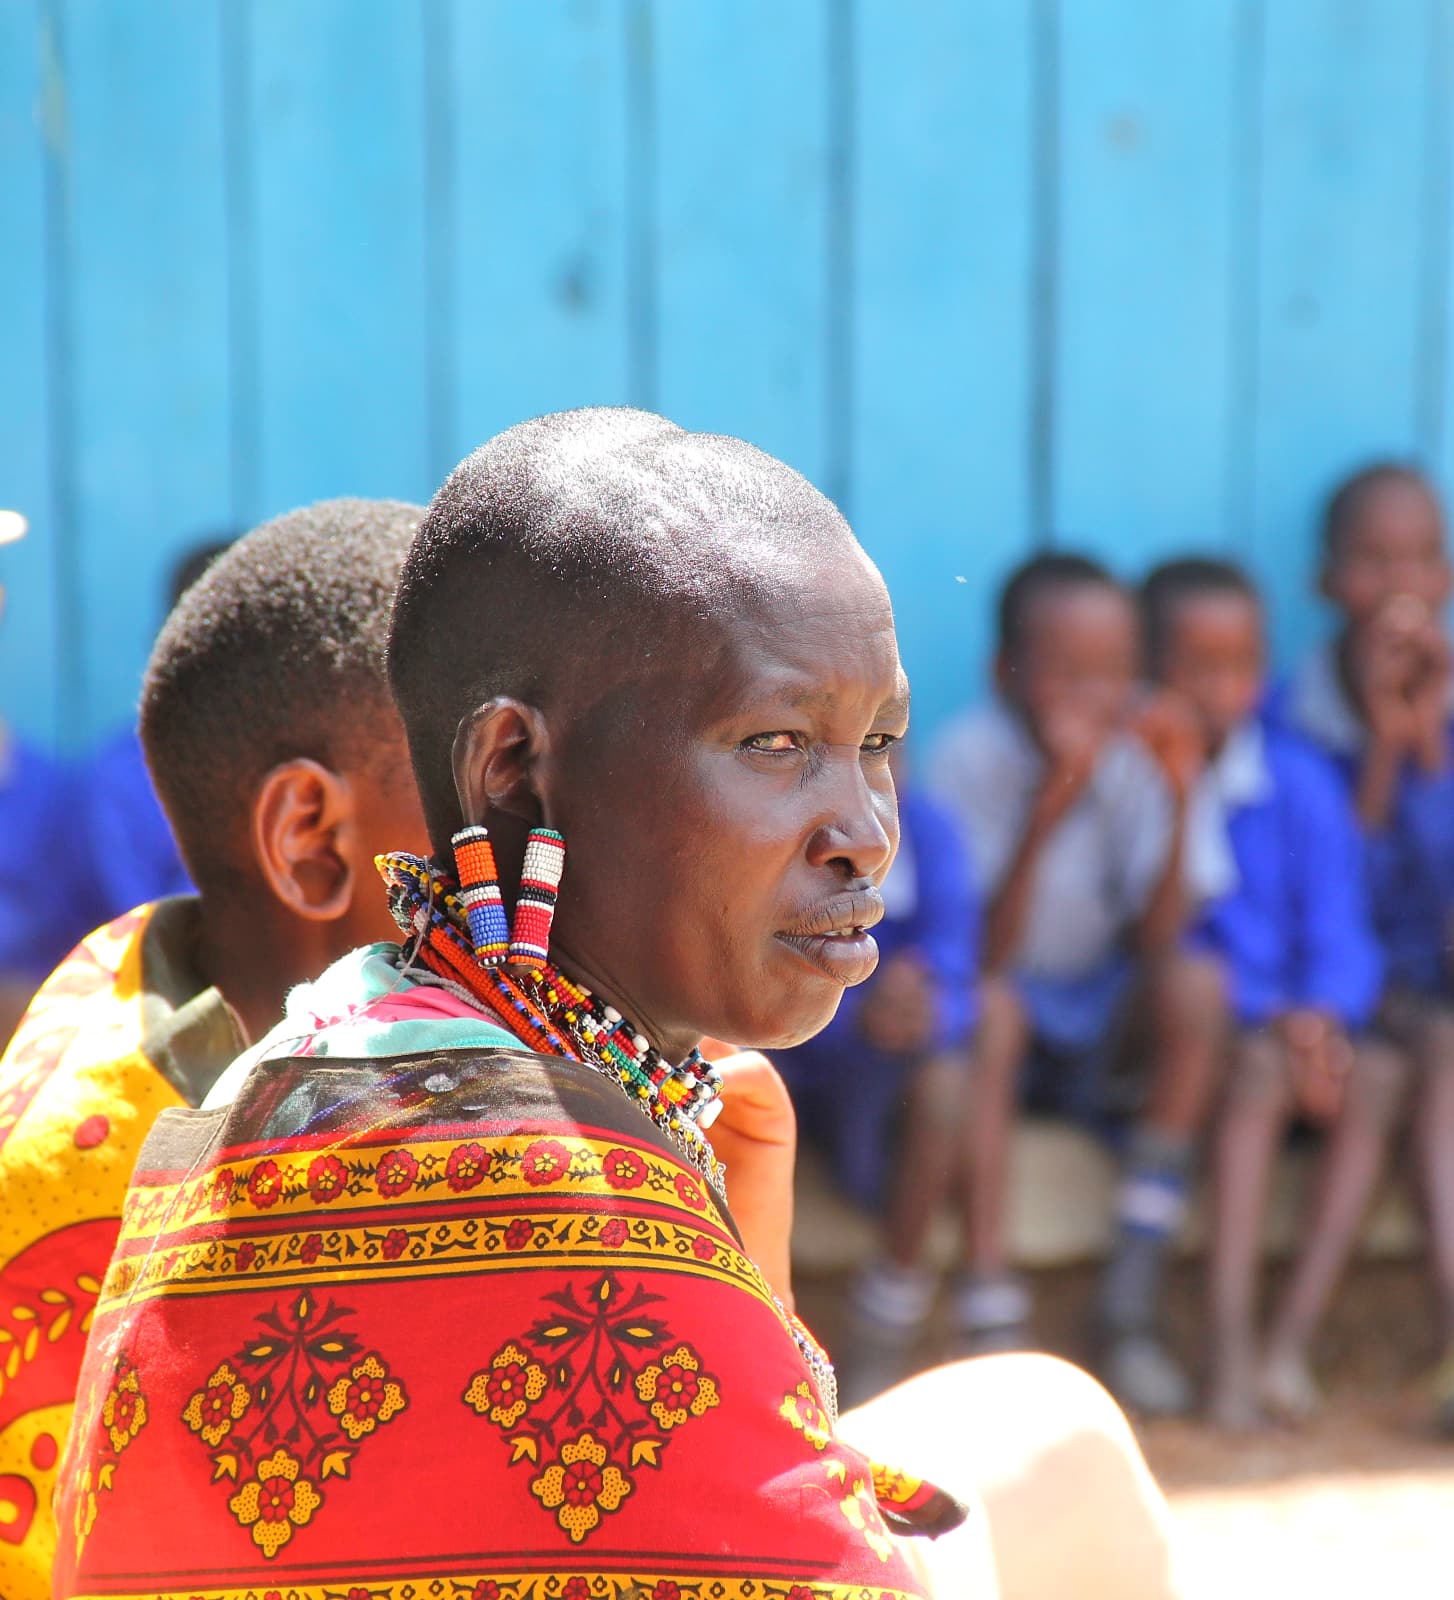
(1294, 934)
(1376, 697)
(132, 855)
(279, 803)
(897, 1052)
(1075, 809)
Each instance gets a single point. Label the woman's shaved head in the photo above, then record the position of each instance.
(576, 552)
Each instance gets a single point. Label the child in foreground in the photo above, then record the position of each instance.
(1293, 932)
(1074, 801)
(1376, 697)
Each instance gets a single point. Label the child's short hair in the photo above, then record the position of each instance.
(1167, 587)
(1349, 498)
(275, 652)
(1033, 579)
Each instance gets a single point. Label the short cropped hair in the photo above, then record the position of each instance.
(596, 536)
(1167, 587)
(1347, 501)
(1033, 579)
(276, 652)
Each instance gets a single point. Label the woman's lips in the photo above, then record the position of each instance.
(846, 958)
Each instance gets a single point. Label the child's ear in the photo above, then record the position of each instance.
(499, 759)
(303, 823)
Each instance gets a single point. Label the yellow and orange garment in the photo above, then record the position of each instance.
(117, 1033)
(455, 1326)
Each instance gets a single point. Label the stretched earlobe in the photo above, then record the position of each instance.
(303, 836)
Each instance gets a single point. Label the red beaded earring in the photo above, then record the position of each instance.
(535, 906)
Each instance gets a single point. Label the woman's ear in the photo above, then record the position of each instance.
(303, 822)
(498, 758)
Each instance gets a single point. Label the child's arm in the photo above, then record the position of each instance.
(1074, 748)
(1169, 733)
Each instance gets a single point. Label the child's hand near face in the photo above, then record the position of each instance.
(1400, 664)
(898, 1011)
(1072, 736)
(1320, 1057)
(1167, 725)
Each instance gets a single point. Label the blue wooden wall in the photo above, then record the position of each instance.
(1135, 275)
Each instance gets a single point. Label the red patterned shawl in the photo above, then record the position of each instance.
(460, 1327)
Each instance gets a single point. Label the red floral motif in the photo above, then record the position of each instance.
(689, 1193)
(312, 1248)
(703, 1248)
(360, 1594)
(667, 1590)
(245, 1253)
(623, 1169)
(576, 1589)
(800, 1591)
(298, 1378)
(265, 1186)
(394, 1242)
(544, 1162)
(396, 1174)
(615, 1232)
(519, 1233)
(327, 1179)
(221, 1196)
(466, 1167)
(486, 1589)
(590, 1356)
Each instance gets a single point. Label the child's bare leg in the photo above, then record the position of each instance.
(929, 1155)
(1351, 1162)
(1000, 1044)
(1189, 1018)
(1255, 1112)
(1433, 1130)
(1070, 1504)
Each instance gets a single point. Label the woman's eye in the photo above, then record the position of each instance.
(772, 743)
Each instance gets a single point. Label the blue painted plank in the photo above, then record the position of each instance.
(336, 132)
(146, 264)
(1145, 302)
(741, 184)
(539, 212)
(1342, 132)
(30, 627)
(939, 447)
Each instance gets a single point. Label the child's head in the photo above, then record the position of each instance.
(1203, 630)
(1383, 537)
(268, 726)
(1068, 642)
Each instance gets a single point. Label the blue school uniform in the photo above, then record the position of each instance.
(46, 901)
(846, 1091)
(1410, 860)
(1294, 929)
(135, 856)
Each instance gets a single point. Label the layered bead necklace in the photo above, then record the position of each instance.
(549, 1013)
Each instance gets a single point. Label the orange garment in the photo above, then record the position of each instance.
(109, 1042)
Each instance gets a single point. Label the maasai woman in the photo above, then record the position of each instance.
(444, 1297)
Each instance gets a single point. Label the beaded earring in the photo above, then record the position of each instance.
(535, 907)
(479, 894)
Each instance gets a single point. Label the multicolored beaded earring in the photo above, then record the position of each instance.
(479, 894)
(535, 906)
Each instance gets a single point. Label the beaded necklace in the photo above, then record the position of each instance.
(553, 1015)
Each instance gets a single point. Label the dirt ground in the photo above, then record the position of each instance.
(1360, 1503)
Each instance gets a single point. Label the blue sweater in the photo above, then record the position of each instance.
(1296, 931)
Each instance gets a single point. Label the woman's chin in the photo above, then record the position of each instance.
(786, 1028)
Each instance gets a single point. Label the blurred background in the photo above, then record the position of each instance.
(1129, 276)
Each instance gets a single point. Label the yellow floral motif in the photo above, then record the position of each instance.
(805, 1414)
(894, 1486)
(275, 1502)
(676, 1388)
(581, 1485)
(212, 1410)
(507, 1387)
(862, 1511)
(124, 1413)
(85, 1508)
(365, 1398)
